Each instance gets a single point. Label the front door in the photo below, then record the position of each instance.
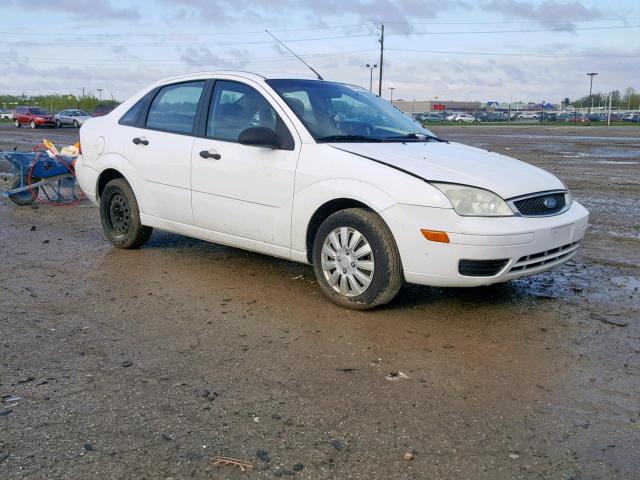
(240, 190)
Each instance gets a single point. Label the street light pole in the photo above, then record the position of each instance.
(100, 92)
(371, 67)
(391, 89)
(591, 75)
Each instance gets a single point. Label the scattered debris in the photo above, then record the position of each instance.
(27, 379)
(167, 437)
(224, 461)
(338, 445)
(5, 411)
(346, 369)
(33, 228)
(514, 456)
(395, 376)
(3, 457)
(408, 456)
(127, 363)
(298, 467)
(211, 396)
(275, 416)
(299, 277)
(611, 319)
(88, 447)
(263, 455)
(11, 398)
(447, 345)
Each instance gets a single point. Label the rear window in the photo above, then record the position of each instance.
(174, 108)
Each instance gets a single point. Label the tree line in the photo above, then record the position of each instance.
(629, 100)
(54, 103)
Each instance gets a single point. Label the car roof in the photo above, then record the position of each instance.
(242, 74)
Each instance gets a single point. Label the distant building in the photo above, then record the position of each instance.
(425, 106)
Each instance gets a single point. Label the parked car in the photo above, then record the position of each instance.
(451, 117)
(466, 118)
(492, 117)
(631, 117)
(280, 166)
(102, 110)
(529, 116)
(432, 117)
(33, 116)
(579, 119)
(6, 114)
(71, 117)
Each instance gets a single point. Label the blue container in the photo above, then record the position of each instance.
(45, 166)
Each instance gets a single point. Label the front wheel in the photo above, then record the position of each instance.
(356, 260)
(16, 122)
(58, 124)
(75, 124)
(25, 197)
(120, 216)
(33, 124)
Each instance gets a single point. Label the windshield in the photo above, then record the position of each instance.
(335, 112)
(38, 111)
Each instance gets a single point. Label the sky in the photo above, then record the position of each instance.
(487, 50)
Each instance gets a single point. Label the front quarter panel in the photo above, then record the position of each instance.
(327, 173)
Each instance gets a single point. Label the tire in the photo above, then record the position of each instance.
(16, 122)
(28, 196)
(33, 124)
(75, 124)
(385, 275)
(58, 124)
(120, 216)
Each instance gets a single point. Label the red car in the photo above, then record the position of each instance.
(33, 116)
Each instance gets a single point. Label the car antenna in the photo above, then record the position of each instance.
(294, 54)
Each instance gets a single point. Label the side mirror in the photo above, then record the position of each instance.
(259, 137)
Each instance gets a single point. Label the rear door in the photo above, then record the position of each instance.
(159, 148)
(240, 190)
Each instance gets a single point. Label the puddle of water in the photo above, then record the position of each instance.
(631, 284)
(612, 162)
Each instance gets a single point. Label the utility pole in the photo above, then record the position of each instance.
(371, 67)
(381, 58)
(100, 92)
(82, 92)
(391, 89)
(609, 115)
(591, 75)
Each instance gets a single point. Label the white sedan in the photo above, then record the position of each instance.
(322, 173)
(466, 118)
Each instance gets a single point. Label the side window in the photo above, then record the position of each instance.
(174, 108)
(133, 114)
(236, 107)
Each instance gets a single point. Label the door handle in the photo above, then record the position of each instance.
(140, 141)
(210, 154)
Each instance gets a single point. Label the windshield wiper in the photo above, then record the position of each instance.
(420, 137)
(348, 138)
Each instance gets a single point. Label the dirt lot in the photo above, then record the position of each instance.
(147, 364)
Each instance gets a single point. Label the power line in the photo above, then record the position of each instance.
(531, 30)
(517, 54)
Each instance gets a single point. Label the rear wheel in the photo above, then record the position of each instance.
(26, 197)
(33, 124)
(58, 124)
(356, 260)
(75, 124)
(120, 216)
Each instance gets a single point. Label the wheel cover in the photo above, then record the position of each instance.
(347, 261)
(118, 215)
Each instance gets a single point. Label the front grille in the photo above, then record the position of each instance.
(481, 268)
(543, 258)
(544, 204)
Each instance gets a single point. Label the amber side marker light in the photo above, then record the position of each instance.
(435, 236)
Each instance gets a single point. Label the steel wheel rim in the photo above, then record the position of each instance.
(119, 215)
(347, 261)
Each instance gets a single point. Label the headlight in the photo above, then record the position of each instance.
(474, 202)
(568, 197)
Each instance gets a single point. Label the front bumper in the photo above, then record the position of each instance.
(529, 245)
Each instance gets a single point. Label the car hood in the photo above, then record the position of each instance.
(458, 163)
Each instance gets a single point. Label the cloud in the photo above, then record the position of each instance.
(203, 57)
(550, 13)
(271, 11)
(98, 10)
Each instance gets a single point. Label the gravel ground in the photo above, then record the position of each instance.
(150, 363)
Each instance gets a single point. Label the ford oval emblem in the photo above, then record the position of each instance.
(550, 203)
